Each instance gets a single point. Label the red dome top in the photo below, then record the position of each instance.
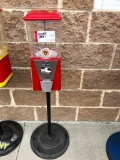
(0, 9)
(43, 15)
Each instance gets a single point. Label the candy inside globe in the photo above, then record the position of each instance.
(3, 50)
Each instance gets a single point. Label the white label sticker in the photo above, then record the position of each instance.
(45, 36)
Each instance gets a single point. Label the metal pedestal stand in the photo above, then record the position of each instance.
(49, 140)
(11, 134)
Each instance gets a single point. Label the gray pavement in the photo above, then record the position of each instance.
(87, 141)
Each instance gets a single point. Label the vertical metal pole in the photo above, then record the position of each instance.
(44, 26)
(48, 113)
(48, 104)
(44, 30)
(1, 130)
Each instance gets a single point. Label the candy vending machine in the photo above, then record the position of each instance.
(49, 140)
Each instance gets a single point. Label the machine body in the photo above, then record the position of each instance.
(46, 70)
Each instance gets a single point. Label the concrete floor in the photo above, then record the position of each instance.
(87, 141)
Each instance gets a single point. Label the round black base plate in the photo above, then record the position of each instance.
(11, 137)
(49, 147)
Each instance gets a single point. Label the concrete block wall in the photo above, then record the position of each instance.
(90, 64)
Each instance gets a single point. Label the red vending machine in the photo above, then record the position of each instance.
(5, 67)
(44, 28)
(49, 140)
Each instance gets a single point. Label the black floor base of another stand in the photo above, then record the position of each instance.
(49, 147)
(11, 134)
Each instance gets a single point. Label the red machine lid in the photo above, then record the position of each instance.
(43, 15)
(0, 9)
